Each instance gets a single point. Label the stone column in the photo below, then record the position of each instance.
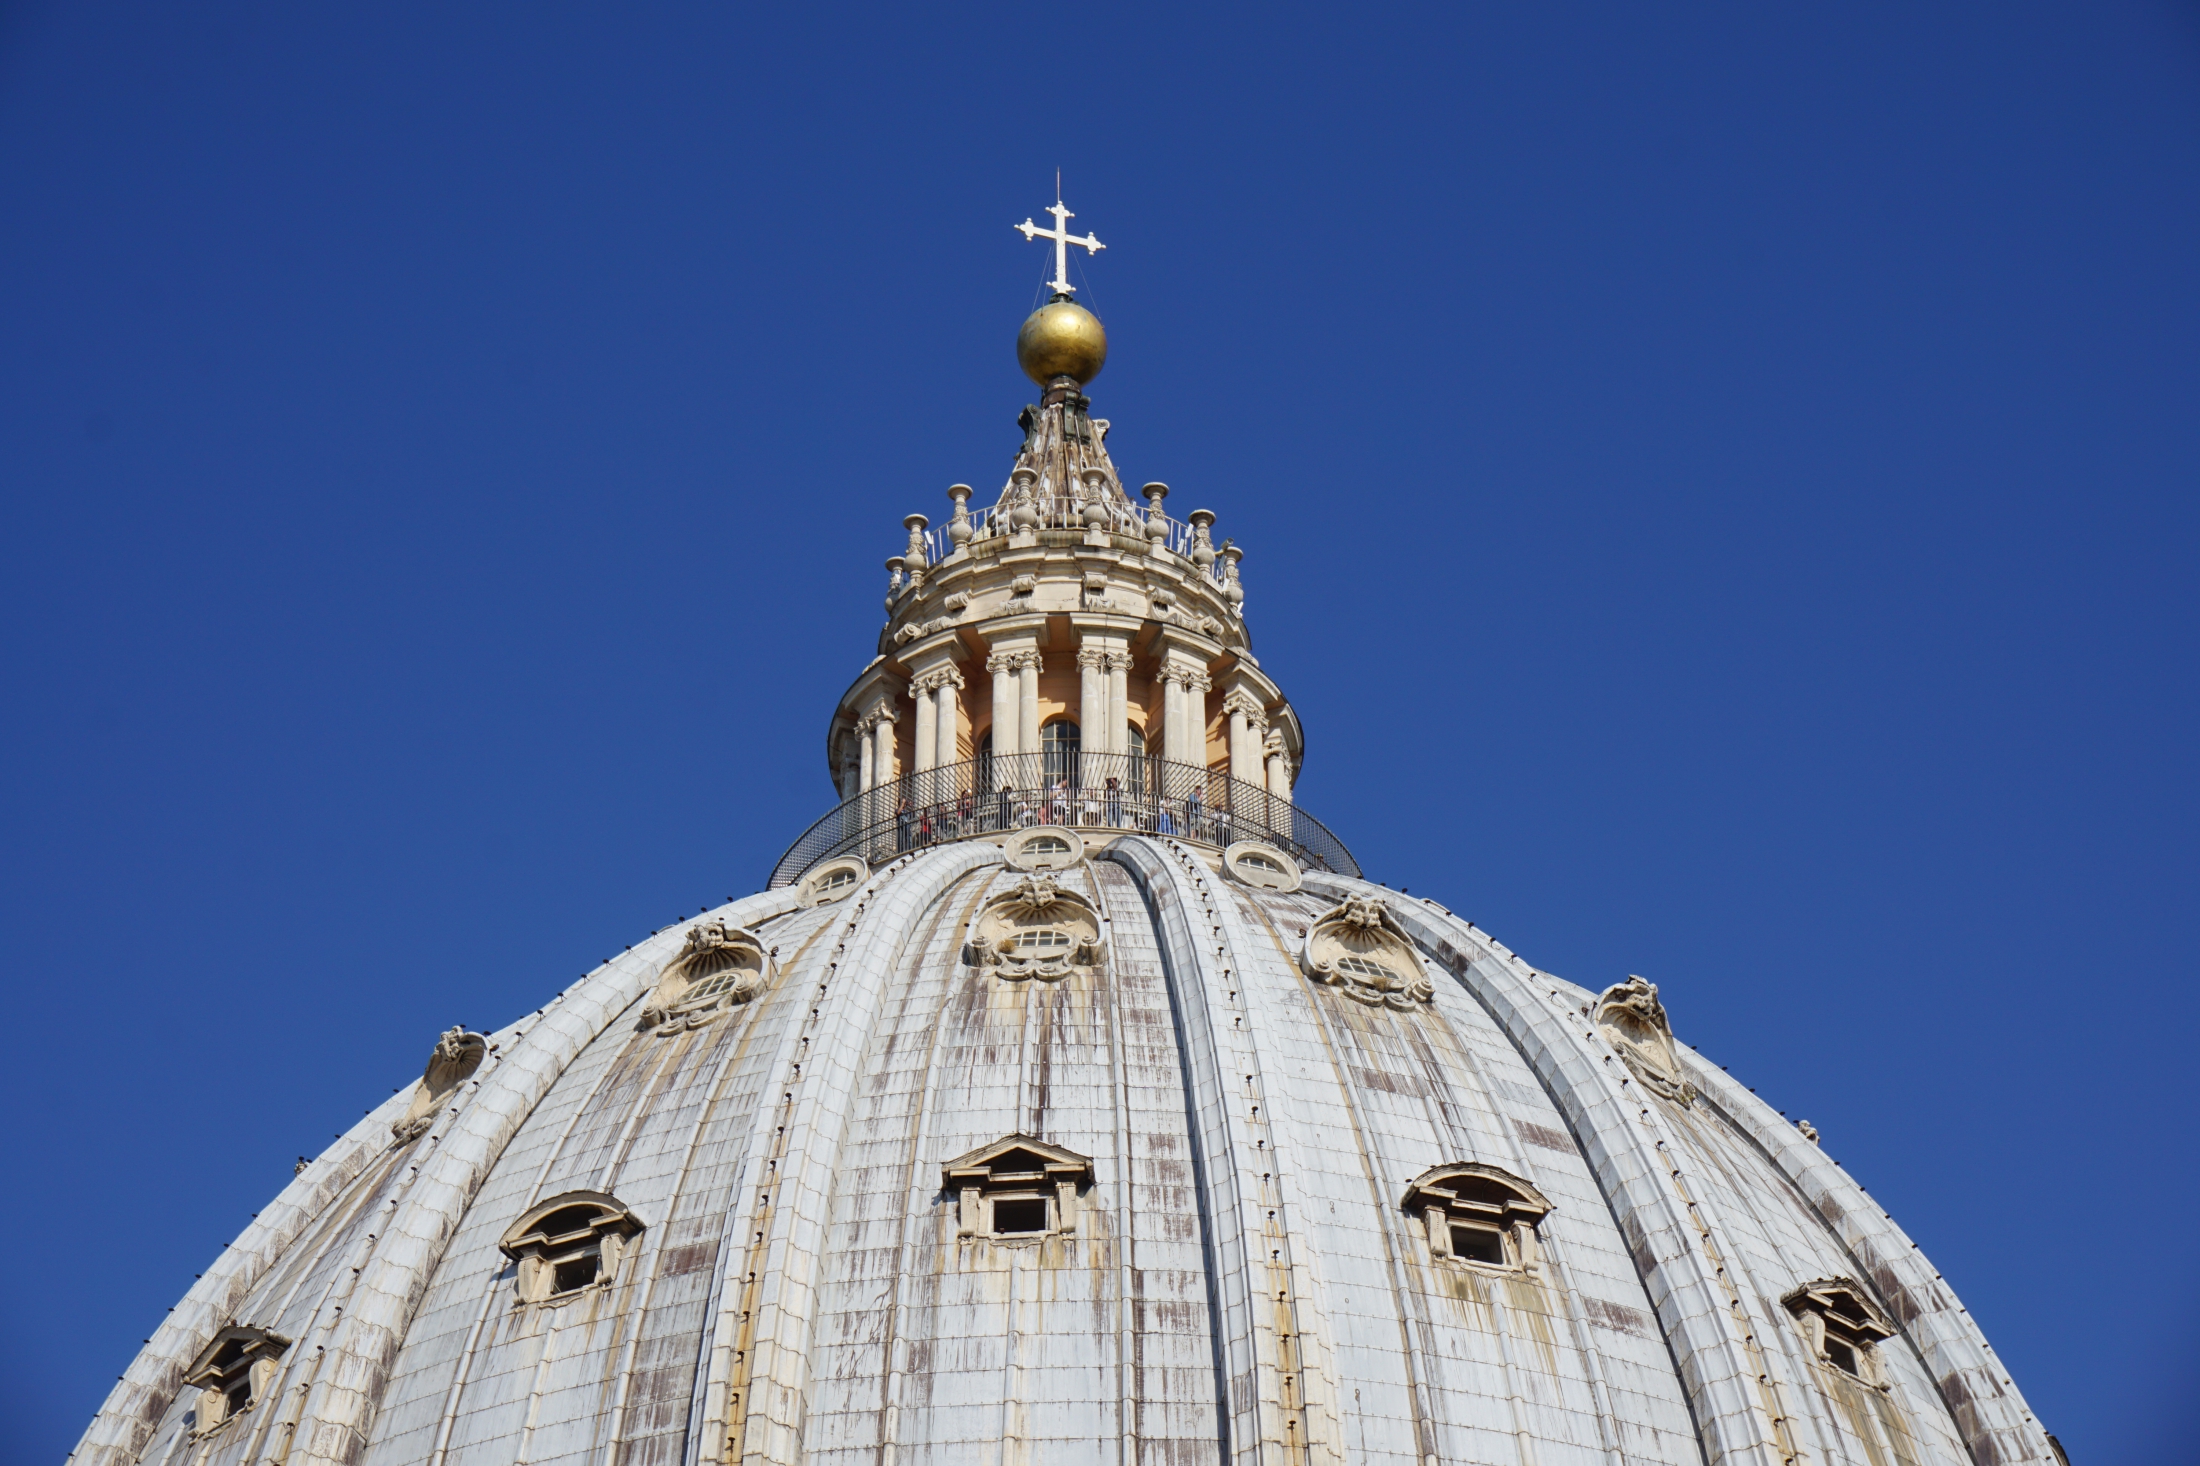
(1007, 721)
(1027, 702)
(1279, 766)
(926, 726)
(1119, 702)
(947, 705)
(864, 777)
(882, 760)
(1248, 730)
(1092, 698)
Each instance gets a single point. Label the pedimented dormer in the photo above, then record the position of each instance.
(1017, 1189)
(233, 1373)
(1479, 1214)
(1842, 1326)
(573, 1242)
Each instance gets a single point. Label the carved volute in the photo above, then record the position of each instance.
(1359, 948)
(1633, 1021)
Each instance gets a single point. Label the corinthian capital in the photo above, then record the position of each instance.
(1092, 656)
(1241, 701)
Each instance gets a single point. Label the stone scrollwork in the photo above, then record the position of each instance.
(1360, 948)
(1633, 1021)
(1036, 931)
(719, 968)
(453, 1060)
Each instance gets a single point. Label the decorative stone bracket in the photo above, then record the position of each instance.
(1037, 930)
(1358, 947)
(453, 1060)
(1633, 1021)
(719, 968)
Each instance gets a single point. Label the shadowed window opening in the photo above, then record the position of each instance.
(1020, 1216)
(1478, 1245)
(577, 1273)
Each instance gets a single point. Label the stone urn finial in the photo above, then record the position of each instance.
(893, 579)
(1096, 498)
(1232, 592)
(915, 555)
(1157, 522)
(1022, 513)
(1203, 548)
(958, 528)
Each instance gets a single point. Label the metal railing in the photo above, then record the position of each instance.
(1099, 792)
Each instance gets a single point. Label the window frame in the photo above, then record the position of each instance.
(538, 1255)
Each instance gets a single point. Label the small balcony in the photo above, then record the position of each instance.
(1090, 792)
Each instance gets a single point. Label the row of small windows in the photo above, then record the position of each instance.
(1021, 1189)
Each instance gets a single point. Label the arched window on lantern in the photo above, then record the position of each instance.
(1059, 742)
(1478, 1214)
(1134, 782)
(569, 1244)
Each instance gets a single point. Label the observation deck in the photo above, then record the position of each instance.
(1096, 792)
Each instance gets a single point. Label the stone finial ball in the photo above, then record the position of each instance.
(1061, 339)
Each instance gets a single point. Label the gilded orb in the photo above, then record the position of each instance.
(1061, 339)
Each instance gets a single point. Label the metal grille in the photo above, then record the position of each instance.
(1016, 791)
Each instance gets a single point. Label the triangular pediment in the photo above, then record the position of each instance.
(1015, 1154)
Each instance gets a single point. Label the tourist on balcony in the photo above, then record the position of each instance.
(962, 825)
(901, 824)
(1195, 810)
(1004, 805)
(1115, 803)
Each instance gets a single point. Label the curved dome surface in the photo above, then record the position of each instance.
(1221, 1172)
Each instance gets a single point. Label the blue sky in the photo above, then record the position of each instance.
(1718, 484)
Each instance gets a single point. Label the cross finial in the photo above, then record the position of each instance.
(1063, 239)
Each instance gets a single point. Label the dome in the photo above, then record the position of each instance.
(1067, 1096)
(1061, 339)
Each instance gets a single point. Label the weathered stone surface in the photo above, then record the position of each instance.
(1238, 1277)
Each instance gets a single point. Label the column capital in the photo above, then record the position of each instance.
(1238, 700)
(936, 678)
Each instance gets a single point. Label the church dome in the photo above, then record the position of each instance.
(1069, 1095)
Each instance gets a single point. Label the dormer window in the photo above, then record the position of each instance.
(1016, 1190)
(569, 1244)
(832, 881)
(1261, 866)
(233, 1373)
(1843, 1327)
(1478, 1215)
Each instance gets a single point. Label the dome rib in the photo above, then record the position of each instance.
(771, 1379)
(1955, 1363)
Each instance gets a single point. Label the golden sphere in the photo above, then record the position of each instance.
(1061, 339)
